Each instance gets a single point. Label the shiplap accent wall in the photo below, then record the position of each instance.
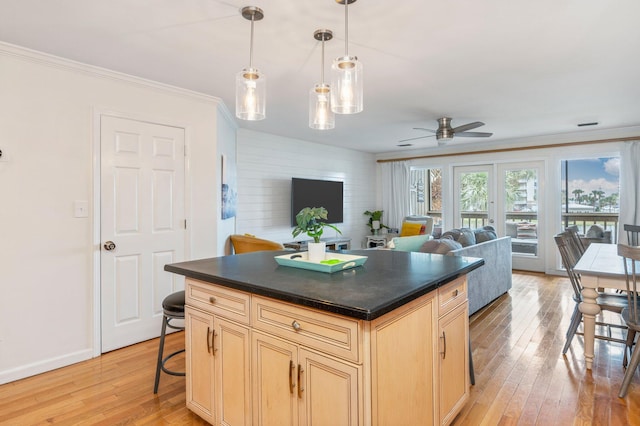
(265, 165)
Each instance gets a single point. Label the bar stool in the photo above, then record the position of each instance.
(173, 309)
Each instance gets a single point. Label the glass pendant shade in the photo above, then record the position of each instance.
(321, 116)
(251, 94)
(346, 80)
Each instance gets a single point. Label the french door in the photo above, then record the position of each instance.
(505, 196)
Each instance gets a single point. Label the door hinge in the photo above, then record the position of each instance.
(185, 224)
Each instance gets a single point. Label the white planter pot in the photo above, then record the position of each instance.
(317, 251)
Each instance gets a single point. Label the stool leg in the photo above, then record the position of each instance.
(160, 352)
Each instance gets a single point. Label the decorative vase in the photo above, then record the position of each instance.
(317, 251)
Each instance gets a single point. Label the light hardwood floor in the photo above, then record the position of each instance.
(521, 375)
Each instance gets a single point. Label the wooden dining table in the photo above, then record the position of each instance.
(599, 267)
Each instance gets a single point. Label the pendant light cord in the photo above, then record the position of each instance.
(251, 44)
(322, 63)
(346, 27)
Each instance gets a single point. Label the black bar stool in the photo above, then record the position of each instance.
(173, 308)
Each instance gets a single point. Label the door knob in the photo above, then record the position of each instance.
(109, 245)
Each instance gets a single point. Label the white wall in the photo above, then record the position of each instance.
(47, 110)
(266, 164)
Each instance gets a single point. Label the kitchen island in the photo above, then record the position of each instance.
(270, 344)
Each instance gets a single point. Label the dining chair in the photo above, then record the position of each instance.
(607, 301)
(633, 234)
(574, 240)
(631, 314)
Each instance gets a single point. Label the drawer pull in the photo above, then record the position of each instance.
(296, 325)
(212, 299)
(292, 368)
(444, 344)
(455, 293)
(213, 342)
(300, 388)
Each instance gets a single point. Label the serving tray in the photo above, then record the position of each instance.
(334, 262)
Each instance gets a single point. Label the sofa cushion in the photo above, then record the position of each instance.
(485, 234)
(411, 243)
(411, 228)
(464, 236)
(441, 246)
(527, 230)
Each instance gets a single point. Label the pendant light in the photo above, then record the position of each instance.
(346, 75)
(321, 116)
(251, 83)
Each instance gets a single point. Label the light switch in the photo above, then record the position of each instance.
(81, 208)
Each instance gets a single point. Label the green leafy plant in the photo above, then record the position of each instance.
(309, 221)
(375, 215)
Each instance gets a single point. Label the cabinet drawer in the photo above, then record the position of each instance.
(452, 295)
(218, 300)
(328, 333)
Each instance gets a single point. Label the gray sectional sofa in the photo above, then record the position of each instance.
(486, 283)
(492, 280)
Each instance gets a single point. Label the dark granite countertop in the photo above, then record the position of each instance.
(387, 280)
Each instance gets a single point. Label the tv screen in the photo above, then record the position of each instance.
(317, 193)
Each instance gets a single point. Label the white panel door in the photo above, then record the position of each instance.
(142, 226)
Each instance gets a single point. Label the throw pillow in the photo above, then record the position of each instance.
(467, 237)
(410, 228)
(441, 246)
(453, 234)
(483, 235)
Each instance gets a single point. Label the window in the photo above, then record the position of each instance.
(590, 196)
(426, 193)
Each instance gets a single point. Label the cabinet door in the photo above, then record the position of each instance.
(454, 362)
(274, 376)
(200, 392)
(404, 366)
(328, 391)
(232, 353)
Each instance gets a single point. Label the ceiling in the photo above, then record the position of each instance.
(525, 68)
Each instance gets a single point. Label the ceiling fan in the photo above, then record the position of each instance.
(445, 132)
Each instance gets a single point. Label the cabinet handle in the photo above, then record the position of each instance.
(455, 293)
(300, 388)
(444, 343)
(292, 368)
(208, 342)
(296, 325)
(212, 299)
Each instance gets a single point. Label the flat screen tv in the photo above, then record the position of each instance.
(317, 193)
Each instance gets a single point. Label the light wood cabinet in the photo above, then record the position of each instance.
(453, 351)
(218, 353)
(256, 360)
(403, 357)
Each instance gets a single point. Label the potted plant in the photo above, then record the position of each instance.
(309, 221)
(375, 223)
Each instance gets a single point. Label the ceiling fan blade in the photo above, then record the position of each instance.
(427, 130)
(474, 134)
(468, 126)
(413, 139)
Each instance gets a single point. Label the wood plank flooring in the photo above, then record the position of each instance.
(521, 376)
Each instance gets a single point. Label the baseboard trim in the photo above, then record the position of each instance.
(29, 370)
